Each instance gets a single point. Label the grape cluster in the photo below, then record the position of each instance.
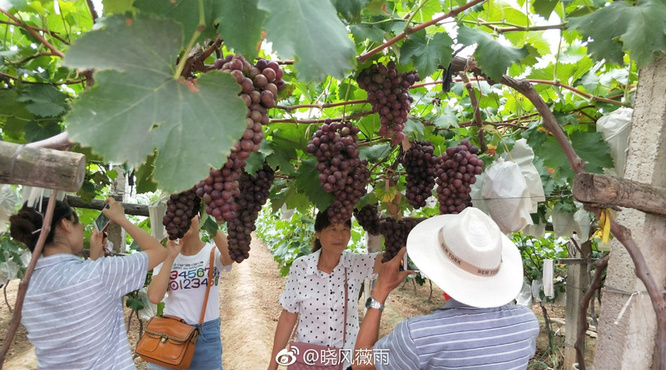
(260, 85)
(395, 235)
(388, 93)
(254, 191)
(419, 162)
(456, 171)
(220, 188)
(341, 172)
(368, 218)
(181, 207)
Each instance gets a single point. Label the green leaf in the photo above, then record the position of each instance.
(307, 182)
(144, 108)
(593, 149)
(312, 34)
(186, 12)
(493, 57)
(134, 303)
(44, 100)
(35, 131)
(427, 52)
(350, 9)
(374, 153)
(240, 25)
(117, 6)
(604, 27)
(367, 32)
(645, 37)
(144, 176)
(545, 7)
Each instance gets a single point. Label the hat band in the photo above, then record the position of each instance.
(466, 265)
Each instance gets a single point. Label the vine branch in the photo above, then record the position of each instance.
(34, 33)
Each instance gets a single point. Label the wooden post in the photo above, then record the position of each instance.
(116, 233)
(577, 286)
(40, 167)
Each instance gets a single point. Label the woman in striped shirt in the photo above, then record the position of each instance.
(73, 307)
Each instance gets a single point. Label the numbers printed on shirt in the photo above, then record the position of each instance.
(192, 278)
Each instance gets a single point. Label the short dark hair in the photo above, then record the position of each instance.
(28, 221)
(322, 221)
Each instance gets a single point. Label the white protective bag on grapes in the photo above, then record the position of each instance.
(523, 155)
(8, 200)
(506, 196)
(156, 212)
(615, 128)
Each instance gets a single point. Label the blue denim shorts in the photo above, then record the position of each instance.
(208, 354)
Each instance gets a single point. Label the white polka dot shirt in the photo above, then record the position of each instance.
(319, 298)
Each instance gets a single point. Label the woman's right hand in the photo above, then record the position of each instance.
(115, 212)
(173, 248)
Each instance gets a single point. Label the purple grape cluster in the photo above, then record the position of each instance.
(260, 85)
(341, 172)
(419, 163)
(220, 188)
(368, 218)
(388, 93)
(181, 208)
(456, 171)
(254, 191)
(395, 235)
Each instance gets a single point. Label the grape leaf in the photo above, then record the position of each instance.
(427, 52)
(593, 149)
(367, 32)
(138, 105)
(350, 9)
(184, 11)
(493, 57)
(307, 182)
(116, 6)
(545, 7)
(312, 34)
(44, 100)
(240, 25)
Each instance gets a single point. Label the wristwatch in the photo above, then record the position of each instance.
(373, 303)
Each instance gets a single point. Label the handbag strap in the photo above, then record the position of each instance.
(210, 282)
(344, 328)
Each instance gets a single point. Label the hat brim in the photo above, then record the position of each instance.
(424, 250)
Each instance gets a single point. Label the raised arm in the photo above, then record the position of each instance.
(390, 277)
(283, 331)
(155, 251)
(160, 282)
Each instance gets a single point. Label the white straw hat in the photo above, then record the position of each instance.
(468, 257)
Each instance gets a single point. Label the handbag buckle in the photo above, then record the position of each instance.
(164, 338)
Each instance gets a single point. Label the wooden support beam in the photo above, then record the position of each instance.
(41, 167)
(608, 191)
(130, 209)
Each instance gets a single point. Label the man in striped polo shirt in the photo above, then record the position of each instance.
(469, 258)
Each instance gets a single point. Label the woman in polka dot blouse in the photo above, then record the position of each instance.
(315, 290)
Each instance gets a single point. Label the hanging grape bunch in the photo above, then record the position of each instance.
(254, 191)
(181, 208)
(220, 188)
(419, 163)
(341, 172)
(456, 171)
(368, 218)
(260, 85)
(388, 93)
(395, 235)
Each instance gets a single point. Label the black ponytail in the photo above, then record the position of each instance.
(27, 223)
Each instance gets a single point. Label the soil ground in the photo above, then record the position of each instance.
(249, 312)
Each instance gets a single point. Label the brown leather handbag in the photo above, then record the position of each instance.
(168, 341)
